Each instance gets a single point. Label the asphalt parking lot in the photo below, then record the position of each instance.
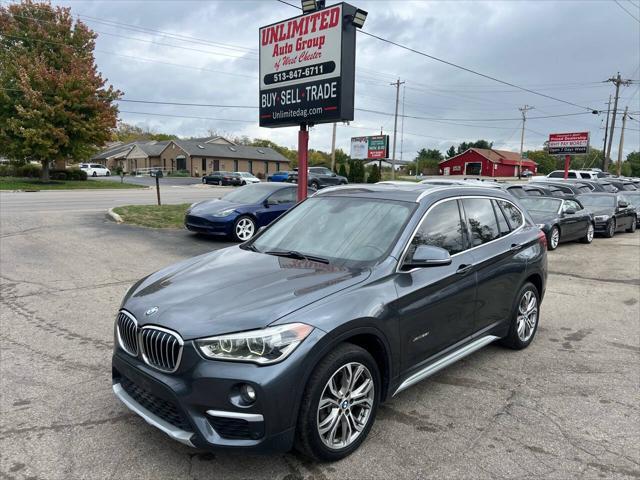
(567, 407)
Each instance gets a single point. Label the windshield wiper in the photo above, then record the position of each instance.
(297, 255)
(250, 247)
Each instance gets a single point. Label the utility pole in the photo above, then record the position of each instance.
(524, 111)
(333, 149)
(395, 128)
(617, 81)
(624, 122)
(606, 131)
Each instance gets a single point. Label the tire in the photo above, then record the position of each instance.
(219, 183)
(588, 236)
(632, 228)
(611, 228)
(94, 174)
(309, 441)
(244, 228)
(315, 185)
(553, 238)
(243, 183)
(108, 174)
(518, 339)
(204, 181)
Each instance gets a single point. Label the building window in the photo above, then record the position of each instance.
(250, 166)
(266, 167)
(204, 165)
(277, 166)
(235, 166)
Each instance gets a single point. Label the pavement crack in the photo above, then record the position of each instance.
(633, 281)
(4, 434)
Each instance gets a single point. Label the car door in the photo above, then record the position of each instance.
(496, 257)
(577, 221)
(624, 215)
(276, 204)
(435, 304)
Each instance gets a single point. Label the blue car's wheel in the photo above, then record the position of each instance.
(244, 228)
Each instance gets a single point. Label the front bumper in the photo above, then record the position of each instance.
(600, 227)
(223, 226)
(195, 404)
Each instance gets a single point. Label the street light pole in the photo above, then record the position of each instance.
(395, 129)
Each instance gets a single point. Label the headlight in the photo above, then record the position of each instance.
(223, 213)
(267, 345)
(601, 218)
(541, 226)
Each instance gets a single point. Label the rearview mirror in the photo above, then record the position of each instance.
(428, 256)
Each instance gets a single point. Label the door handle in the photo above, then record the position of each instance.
(464, 269)
(515, 247)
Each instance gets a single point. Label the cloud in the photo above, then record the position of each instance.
(560, 48)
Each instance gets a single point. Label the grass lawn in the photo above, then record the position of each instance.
(165, 216)
(14, 183)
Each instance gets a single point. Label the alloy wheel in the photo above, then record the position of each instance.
(555, 238)
(611, 229)
(590, 232)
(345, 405)
(245, 229)
(527, 316)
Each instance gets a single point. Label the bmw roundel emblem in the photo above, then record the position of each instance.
(151, 311)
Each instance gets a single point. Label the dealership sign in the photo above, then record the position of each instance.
(307, 68)
(365, 148)
(568, 143)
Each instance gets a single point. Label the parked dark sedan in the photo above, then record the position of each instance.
(611, 211)
(634, 199)
(354, 295)
(242, 212)
(565, 186)
(622, 184)
(561, 219)
(319, 177)
(222, 178)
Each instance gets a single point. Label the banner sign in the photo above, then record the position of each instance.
(568, 143)
(366, 148)
(307, 68)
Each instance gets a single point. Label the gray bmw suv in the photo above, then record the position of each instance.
(293, 338)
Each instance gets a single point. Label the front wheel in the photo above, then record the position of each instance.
(315, 185)
(95, 174)
(611, 228)
(524, 319)
(339, 404)
(632, 227)
(588, 237)
(554, 238)
(244, 228)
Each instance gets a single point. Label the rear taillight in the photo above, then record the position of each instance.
(542, 238)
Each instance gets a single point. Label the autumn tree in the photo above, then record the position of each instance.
(54, 104)
(129, 133)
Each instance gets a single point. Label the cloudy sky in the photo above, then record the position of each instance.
(206, 52)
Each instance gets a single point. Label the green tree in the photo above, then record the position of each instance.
(129, 133)
(342, 171)
(54, 104)
(464, 146)
(546, 163)
(427, 160)
(374, 174)
(633, 160)
(451, 152)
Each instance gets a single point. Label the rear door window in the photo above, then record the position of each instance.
(514, 216)
(442, 228)
(585, 175)
(517, 191)
(503, 225)
(556, 175)
(481, 220)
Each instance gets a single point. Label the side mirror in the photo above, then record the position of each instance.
(333, 174)
(569, 211)
(622, 204)
(428, 256)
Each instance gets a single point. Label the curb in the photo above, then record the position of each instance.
(111, 215)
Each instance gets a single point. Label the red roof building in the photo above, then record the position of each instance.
(486, 163)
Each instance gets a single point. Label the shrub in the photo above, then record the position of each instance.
(260, 175)
(342, 171)
(374, 175)
(76, 174)
(29, 170)
(7, 170)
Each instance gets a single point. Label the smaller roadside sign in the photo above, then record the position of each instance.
(370, 148)
(568, 143)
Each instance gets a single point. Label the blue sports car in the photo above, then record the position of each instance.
(242, 212)
(278, 177)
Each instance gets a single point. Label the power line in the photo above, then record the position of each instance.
(628, 12)
(189, 116)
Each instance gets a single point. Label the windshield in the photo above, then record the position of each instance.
(339, 229)
(596, 200)
(633, 198)
(549, 205)
(249, 194)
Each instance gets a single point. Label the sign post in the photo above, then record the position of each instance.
(568, 144)
(307, 73)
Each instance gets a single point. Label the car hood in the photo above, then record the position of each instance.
(209, 207)
(232, 290)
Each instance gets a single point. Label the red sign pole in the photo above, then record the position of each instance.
(567, 161)
(303, 147)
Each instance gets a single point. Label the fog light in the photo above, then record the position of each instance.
(248, 393)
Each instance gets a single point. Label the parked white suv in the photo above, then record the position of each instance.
(95, 170)
(586, 174)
